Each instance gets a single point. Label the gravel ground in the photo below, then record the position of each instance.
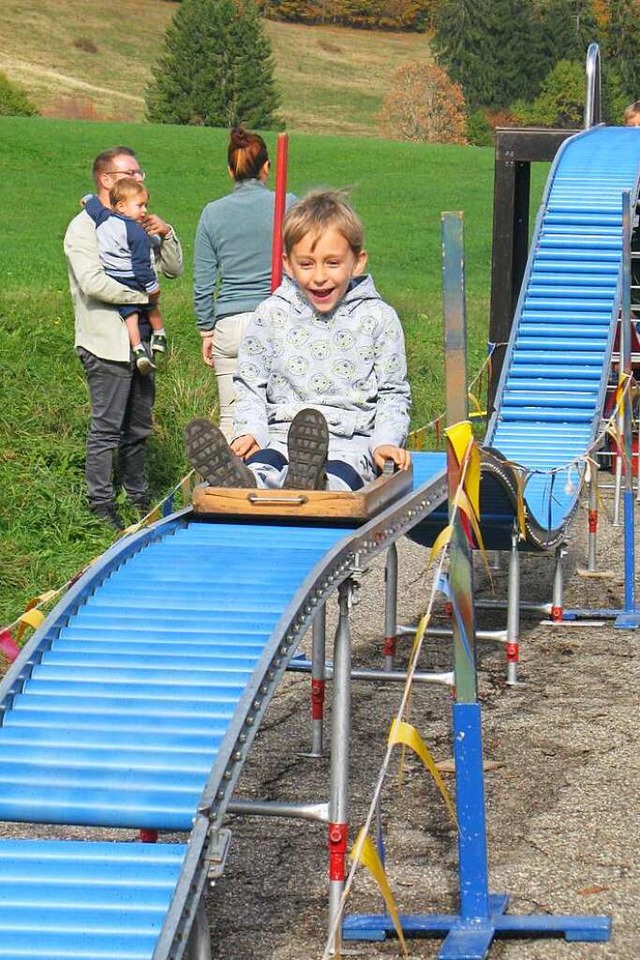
(561, 797)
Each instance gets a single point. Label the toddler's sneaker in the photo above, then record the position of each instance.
(159, 343)
(308, 446)
(213, 458)
(143, 362)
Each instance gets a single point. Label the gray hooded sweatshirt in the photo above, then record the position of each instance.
(349, 364)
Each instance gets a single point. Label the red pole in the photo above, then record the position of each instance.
(278, 214)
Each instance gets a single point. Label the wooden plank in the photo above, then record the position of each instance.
(313, 504)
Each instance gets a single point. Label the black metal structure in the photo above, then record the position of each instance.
(516, 149)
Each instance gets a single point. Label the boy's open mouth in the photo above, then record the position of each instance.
(323, 294)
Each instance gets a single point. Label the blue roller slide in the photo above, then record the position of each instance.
(133, 707)
(551, 393)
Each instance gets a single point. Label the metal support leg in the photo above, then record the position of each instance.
(592, 554)
(340, 737)
(318, 680)
(557, 599)
(390, 606)
(513, 612)
(199, 947)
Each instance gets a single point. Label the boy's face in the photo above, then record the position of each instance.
(322, 267)
(134, 207)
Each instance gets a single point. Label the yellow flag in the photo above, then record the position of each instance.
(460, 436)
(406, 734)
(442, 540)
(33, 618)
(364, 852)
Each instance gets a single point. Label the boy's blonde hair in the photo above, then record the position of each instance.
(318, 210)
(124, 189)
(633, 110)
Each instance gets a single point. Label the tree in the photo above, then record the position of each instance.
(561, 99)
(13, 100)
(622, 44)
(216, 69)
(423, 106)
(489, 48)
(567, 27)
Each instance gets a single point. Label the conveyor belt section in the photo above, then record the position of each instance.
(135, 705)
(117, 716)
(97, 900)
(552, 389)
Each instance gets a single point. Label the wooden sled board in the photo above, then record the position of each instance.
(317, 504)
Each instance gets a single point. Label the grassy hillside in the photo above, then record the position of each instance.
(92, 60)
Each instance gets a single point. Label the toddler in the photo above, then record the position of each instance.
(126, 255)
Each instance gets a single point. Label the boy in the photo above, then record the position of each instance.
(322, 394)
(126, 255)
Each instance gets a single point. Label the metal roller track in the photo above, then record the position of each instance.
(135, 705)
(552, 389)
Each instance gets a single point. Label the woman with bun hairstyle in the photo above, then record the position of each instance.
(232, 268)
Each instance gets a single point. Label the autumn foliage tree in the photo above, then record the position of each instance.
(423, 106)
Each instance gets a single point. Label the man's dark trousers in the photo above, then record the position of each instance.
(121, 420)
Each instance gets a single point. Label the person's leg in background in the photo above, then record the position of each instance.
(227, 336)
(137, 425)
(109, 386)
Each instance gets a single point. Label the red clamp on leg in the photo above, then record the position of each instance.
(317, 699)
(337, 850)
(556, 614)
(593, 521)
(448, 609)
(513, 652)
(389, 647)
(148, 836)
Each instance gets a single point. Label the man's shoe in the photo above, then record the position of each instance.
(159, 343)
(143, 363)
(108, 513)
(213, 458)
(142, 506)
(308, 446)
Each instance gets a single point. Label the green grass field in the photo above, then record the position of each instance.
(400, 191)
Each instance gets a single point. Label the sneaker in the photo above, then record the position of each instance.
(108, 513)
(213, 458)
(141, 505)
(308, 446)
(158, 343)
(143, 362)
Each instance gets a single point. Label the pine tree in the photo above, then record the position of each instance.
(216, 69)
(568, 27)
(465, 47)
(490, 48)
(518, 67)
(622, 44)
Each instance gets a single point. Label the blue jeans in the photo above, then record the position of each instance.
(121, 420)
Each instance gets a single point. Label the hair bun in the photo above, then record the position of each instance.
(239, 138)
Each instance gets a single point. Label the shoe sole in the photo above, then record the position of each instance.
(210, 454)
(145, 365)
(308, 446)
